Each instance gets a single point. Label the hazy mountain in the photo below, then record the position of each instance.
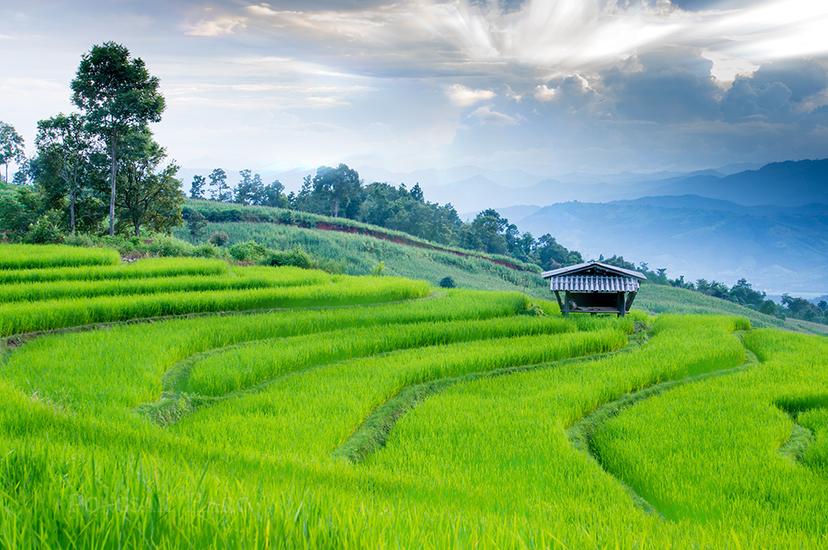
(779, 249)
(791, 183)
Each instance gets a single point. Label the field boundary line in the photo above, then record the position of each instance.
(581, 433)
(372, 434)
(174, 405)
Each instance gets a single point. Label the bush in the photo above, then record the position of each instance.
(163, 245)
(296, 257)
(378, 269)
(46, 229)
(249, 251)
(447, 282)
(207, 251)
(219, 238)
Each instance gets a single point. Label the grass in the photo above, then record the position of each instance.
(241, 278)
(360, 254)
(60, 313)
(147, 268)
(25, 256)
(330, 411)
(735, 474)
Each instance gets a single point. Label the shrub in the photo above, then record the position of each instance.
(295, 257)
(447, 282)
(249, 251)
(163, 245)
(219, 238)
(46, 229)
(207, 251)
(378, 269)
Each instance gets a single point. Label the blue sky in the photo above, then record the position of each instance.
(550, 87)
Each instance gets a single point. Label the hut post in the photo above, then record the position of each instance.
(622, 304)
(558, 298)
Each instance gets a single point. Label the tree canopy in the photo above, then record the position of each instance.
(117, 94)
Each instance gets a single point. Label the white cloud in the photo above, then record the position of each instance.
(564, 36)
(513, 95)
(218, 26)
(544, 93)
(463, 96)
(487, 115)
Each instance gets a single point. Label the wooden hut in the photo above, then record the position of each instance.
(594, 287)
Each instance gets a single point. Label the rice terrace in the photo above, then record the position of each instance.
(193, 403)
(432, 274)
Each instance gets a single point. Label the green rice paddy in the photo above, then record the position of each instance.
(189, 403)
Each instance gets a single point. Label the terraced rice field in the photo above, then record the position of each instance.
(188, 403)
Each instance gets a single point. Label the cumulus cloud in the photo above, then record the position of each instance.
(544, 93)
(778, 91)
(464, 96)
(674, 85)
(487, 115)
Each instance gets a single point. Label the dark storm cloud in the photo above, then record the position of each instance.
(778, 91)
(667, 86)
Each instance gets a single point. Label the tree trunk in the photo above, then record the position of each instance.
(7, 172)
(113, 173)
(72, 212)
(137, 229)
(335, 209)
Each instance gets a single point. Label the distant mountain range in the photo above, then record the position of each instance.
(791, 183)
(779, 249)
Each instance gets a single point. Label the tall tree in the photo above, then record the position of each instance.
(249, 190)
(340, 189)
(219, 190)
(486, 232)
(197, 187)
(148, 191)
(273, 194)
(118, 95)
(63, 140)
(11, 147)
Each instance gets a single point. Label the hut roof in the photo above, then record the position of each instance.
(594, 269)
(594, 283)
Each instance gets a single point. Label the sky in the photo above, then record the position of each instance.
(551, 87)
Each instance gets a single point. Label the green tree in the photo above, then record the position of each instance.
(19, 209)
(196, 223)
(118, 95)
(250, 189)
(339, 190)
(219, 190)
(197, 187)
(63, 140)
(23, 174)
(149, 194)
(11, 147)
(487, 232)
(273, 194)
(551, 255)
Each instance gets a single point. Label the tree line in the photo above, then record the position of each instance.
(340, 192)
(99, 169)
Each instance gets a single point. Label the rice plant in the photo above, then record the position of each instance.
(24, 256)
(468, 418)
